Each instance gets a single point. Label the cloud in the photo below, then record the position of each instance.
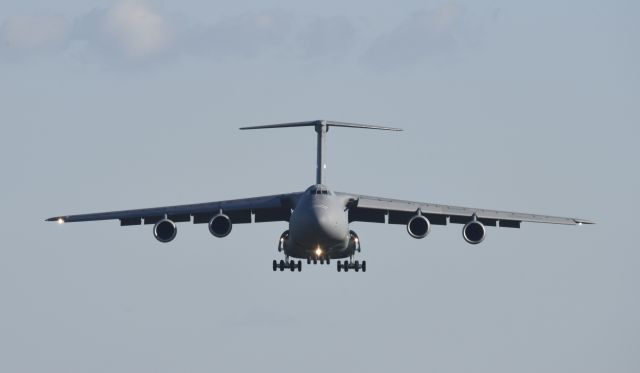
(129, 31)
(425, 34)
(133, 32)
(140, 31)
(247, 35)
(34, 32)
(327, 37)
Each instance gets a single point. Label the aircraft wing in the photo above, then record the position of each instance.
(393, 211)
(246, 210)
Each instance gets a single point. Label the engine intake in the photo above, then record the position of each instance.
(165, 230)
(419, 226)
(220, 225)
(473, 232)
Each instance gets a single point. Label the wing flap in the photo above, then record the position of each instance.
(130, 221)
(369, 215)
(365, 208)
(267, 208)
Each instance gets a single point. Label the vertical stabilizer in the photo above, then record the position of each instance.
(321, 127)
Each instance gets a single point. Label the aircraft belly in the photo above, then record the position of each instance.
(318, 225)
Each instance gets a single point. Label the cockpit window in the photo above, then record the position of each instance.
(319, 190)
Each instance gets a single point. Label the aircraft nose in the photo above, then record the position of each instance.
(327, 225)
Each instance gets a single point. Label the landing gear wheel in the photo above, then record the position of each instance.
(328, 261)
(315, 261)
(299, 265)
(357, 266)
(345, 265)
(292, 266)
(364, 266)
(275, 265)
(281, 265)
(308, 260)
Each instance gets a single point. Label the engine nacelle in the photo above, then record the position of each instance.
(473, 232)
(165, 230)
(419, 226)
(220, 225)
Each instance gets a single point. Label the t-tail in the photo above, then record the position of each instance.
(321, 127)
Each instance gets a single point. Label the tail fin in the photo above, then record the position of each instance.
(317, 123)
(321, 127)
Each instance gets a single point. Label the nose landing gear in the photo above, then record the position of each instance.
(321, 259)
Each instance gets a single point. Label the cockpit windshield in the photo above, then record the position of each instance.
(318, 189)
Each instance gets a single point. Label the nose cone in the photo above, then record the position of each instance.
(328, 229)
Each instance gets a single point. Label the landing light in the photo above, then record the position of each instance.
(318, 251)
(60, 220)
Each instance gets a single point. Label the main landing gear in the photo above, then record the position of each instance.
(287, 264)
(351, 264)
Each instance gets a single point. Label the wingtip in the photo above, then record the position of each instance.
(584, 222)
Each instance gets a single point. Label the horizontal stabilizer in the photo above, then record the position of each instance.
(328, 123)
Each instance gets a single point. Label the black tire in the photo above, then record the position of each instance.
(357, 265)
(364, 266)
(315, 261)
(308, 260)
(281, 265)
(292, 266)
(275, 265)
(299, 265)
(328, 261)
(339, 266)
(345, 265)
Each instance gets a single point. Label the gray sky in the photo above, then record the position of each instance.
(524, 106)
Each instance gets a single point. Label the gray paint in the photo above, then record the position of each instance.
(320, 218)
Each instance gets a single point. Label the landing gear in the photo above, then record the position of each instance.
(350, 264)
(322, 259)
(292, 265)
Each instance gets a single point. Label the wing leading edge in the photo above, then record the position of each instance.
(257, 209)
(393, 211)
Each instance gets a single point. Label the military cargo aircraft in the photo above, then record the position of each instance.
(319, 217)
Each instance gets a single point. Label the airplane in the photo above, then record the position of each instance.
(319, 217)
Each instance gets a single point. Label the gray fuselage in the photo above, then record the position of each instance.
(319, 226)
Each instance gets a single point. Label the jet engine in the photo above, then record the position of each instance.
(165, 230)
(418, 226)
(473, 232)
(220, 225)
